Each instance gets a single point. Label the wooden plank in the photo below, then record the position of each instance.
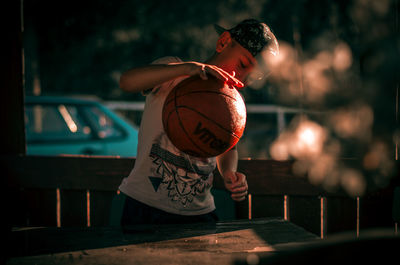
(260, 206)
(267, 206)
(16, 207)
(265, 177)
(105, 173)
(275, 178)
(236, 247)
(271, 177)
(42, 207)
(38, 207)
(232, 236)
(242, 209)
(73, 208)
(72, 172)
(117, 205)
(341, 214)
(225, 206)
(101, 203)
(376, 211)
(305, 211)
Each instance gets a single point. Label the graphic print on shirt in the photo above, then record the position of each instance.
(182, 178)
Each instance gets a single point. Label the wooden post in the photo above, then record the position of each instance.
(250, 210)
(286, 213)
(323, 217)
(358, 217)
(12, 136)
(12, 140)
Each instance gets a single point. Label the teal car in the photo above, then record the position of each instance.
(71, 126)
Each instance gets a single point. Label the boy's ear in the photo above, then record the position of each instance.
(224, 40)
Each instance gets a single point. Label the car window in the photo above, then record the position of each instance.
(104, 126)
(54, 123)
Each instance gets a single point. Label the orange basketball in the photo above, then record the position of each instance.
(204, 118)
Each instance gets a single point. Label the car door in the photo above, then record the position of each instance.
(56, 129)
(118, 137)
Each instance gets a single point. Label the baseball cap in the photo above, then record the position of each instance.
(253, 35)
(257, 38)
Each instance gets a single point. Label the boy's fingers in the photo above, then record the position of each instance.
(226, 77)
(239, 197)
(203, 73)
(239, 189)
(240, 181)
(216, 73)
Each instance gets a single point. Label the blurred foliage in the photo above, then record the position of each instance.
(84, 46)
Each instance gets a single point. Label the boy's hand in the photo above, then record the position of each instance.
(236, 183)
(202, 70)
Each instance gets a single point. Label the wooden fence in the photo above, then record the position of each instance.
(83, 191)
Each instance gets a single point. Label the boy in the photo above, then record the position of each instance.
(167, 185)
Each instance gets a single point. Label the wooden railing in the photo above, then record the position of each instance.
(83, 191)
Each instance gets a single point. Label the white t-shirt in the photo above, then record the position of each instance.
(164, 177)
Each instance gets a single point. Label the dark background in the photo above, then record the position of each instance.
(82, 47)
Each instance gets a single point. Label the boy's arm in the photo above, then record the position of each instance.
(146, 77)
(234, 181)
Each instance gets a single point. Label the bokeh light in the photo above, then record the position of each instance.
(304, 140)
(354, 121)
(316, 151)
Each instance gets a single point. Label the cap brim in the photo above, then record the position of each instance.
(219, 29)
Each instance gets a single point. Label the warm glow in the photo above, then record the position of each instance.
(58, 207)
(279, 151)
(250, 208)
(316, 80)
(102, 120)
(286, 207)
(38, 118)
(307, 136)
(342, 57)
(376, 156)
(323, 171)
(285, 52)
(379, 159)
(353, 182)
(305, 141)
(68, 119)
(283, 65)
(354, 121)
(86, 130)
(88, 208)
(311, 77)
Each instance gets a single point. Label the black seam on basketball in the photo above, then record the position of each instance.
(190, 139)
(184, 130)
(204, 116)
(183, 82)
(167, 118)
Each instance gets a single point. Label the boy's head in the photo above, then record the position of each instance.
(255, 41)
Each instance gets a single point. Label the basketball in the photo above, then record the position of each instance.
(204, 118)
